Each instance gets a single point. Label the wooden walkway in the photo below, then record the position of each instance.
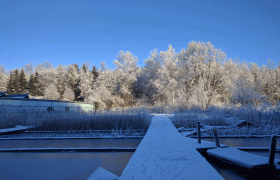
(165, 154)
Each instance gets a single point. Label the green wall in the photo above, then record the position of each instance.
(42, 105)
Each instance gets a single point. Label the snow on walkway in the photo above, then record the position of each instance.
(165, 154)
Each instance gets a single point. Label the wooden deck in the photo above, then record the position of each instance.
(240, 158)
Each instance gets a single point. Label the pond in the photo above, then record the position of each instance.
(62, 165)
(227, 170)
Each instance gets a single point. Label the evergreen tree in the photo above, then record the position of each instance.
(94, 74)
(38, 85)
(10, 87)
(32, 85)
(22, 82)
(16, 85)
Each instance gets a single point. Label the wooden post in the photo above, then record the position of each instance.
(272, 151)
(198, 132)
(216, 137)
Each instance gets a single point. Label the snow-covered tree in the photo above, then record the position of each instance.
(61, 81)
(126, 72)
(51, 92)
(68, 94)
(245, 92)
(85, 82)
(167, 79)
(73, 79)
(144, 87)
(201, 71)
(3, 79)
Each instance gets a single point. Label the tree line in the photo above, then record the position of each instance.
(200, 75)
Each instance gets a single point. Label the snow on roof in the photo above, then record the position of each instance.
(3, 93)
(102, 174)
(165, 154)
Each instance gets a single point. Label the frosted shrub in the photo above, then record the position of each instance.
(187, 118)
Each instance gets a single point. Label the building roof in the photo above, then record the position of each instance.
(16, 95)
(2, 94)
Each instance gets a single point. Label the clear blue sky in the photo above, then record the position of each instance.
(68, 31)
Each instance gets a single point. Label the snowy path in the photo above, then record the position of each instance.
(165, 154)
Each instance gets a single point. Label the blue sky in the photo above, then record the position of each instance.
(68, 31)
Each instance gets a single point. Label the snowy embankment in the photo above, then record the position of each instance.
(166, 154)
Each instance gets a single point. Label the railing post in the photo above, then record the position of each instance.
(216, 137)
(272, 151)
(198, 132)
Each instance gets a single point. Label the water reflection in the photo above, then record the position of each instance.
(65, 143)
(60, 165)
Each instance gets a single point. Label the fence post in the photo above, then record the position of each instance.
(272, 151)
(198, 132)
(216, 137)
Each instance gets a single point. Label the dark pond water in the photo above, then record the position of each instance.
(62, 165)
(64, 143)
(227, 170)
(36, 166)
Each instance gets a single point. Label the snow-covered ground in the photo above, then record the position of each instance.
(165, 154)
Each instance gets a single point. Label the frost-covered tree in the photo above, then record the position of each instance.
(61, 81)
(126, 72)
(201, 71)
(51, 92)
(3, 79)
(74, 79)
(167, 81)
(94, 74)
(68, 94)
(144, 87)
(103, 95)
(85, 82)
(47, 75)
(245, 92)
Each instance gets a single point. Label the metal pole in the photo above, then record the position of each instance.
(198, 132)
(272, 151)
(216, 137)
